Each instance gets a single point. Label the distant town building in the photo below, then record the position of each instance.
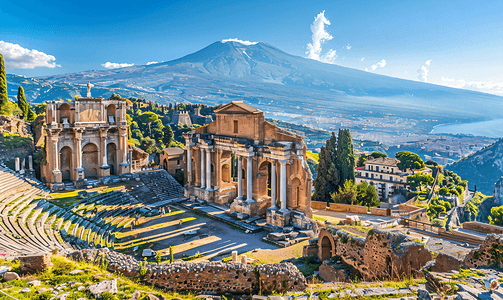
(181, 117)
(498, 192)
(173, 159)
(383, 173)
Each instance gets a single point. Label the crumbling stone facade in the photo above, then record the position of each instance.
(382, 255)
(215, 277)
(258, 168)
(490, 252)
(85, 138)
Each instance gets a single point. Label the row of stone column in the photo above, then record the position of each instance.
(20, 165)
(206, 177)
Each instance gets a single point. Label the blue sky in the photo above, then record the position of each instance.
(457, 43)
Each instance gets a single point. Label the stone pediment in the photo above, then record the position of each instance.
(237, 107)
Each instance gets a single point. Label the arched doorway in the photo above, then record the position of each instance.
(65, 157)
(65, 113)
(295, 199)
(264, 180)
(90, 160)
(112, 158)
(326, 248)
(165, 164)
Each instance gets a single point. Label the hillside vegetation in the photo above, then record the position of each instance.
(483, 168)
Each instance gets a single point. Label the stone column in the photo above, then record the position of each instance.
(249, 175)
(30, 162)
(189, 165)
(273, 184)
(240, 178)
(208, 170)
(105, 162)
(283, 185)
(54, 114)
(203, 165)
(18, 165)
(77, 146)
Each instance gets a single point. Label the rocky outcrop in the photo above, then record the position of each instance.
(214, 277)
(445, 263)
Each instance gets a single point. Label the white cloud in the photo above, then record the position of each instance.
(17, 57)
(381, 64)
(329, 57)
(348, 47)
(152, 62)
(481, 86)
(423, 71)
(319, 36)
(363, 58)
(366, 69)
(110, 65)
(247, 43)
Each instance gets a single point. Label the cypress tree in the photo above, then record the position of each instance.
(22, 103)
(345, 156)
(327, 174)
(4, 99)
(31, 115)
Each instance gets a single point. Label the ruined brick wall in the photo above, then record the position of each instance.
(382, 255)
(215, 277)
(490, 252)
(349, 208)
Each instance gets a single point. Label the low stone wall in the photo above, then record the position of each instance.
(318, 205)
(482, 227)
(214, 277)
(350, 208)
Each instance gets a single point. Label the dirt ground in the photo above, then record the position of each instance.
(196, 234)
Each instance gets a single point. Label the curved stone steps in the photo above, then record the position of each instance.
(25, 233)
(41, 234)
(48, 229)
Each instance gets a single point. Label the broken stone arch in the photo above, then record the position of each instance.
(327, 249)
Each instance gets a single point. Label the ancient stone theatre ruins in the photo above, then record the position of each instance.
(85, 138)
(258, 168)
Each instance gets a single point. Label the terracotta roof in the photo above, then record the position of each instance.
(384, 161)
(241, 105)
(173, 151)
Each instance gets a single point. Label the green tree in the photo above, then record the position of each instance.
(41, 108)
(362, 159)
(168, 135)
(115, 97)
(496, 217)
(366, 195)
(31, 115)
(378, 154)
(5, 108)
(347, 193)
(345, 160)
(419, 180)
(327, 177)
(22, 103)
(409, 160)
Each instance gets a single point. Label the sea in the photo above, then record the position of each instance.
(492, 128)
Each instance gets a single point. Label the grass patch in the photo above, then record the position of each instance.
(465, 273)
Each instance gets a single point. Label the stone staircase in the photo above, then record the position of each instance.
(162, 187)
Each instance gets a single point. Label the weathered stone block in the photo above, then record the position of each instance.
(35, 263)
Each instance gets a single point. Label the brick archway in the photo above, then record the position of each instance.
(326, 245)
